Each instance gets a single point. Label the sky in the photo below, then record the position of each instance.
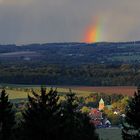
(45, 21)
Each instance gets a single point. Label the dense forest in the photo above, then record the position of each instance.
(93, 75)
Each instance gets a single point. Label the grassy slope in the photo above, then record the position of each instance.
(15, 94)
(80, 91)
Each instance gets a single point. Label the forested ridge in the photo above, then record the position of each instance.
(91, 75)
(72, 53)
(97, 64)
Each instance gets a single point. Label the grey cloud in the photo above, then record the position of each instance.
(28, 21)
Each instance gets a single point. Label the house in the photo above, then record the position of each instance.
(96, 117)
(107, 123)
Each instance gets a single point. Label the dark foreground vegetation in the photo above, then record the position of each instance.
(131, 125)
(45, 118)
(48, 117)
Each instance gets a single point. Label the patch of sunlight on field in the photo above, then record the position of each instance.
(77, 92)
(15, 94)
(110, 133)
(64, 91)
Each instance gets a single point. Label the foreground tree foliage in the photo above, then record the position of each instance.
(131, 126)
(7, 117)
(47, 118)
(75, 125)
(42, 116)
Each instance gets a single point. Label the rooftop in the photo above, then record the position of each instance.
(101, 101)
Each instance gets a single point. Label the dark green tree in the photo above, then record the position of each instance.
(131, 125)
(41, 119)
(47, 118)
(75, 125)
(7, 117)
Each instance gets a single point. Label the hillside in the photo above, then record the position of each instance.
(98, 64)
(72, 53)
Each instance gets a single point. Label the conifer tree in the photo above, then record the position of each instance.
(131, 126)
(75, 125)
(46, 118)
(7, 117)
(42, 116)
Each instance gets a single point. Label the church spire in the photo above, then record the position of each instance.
(101, 104)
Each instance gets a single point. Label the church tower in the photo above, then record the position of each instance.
(101, 104)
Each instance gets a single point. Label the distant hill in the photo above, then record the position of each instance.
(72, 53)
(97, 64)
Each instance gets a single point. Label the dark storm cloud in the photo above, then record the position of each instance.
(28, 21)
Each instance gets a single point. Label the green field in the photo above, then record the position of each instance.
(19, 92)
(14, 94)
(109, 134)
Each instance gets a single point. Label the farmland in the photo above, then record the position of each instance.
(19, 91)
(74, 53)
(125, 90)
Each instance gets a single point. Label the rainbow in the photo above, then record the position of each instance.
(93, 32)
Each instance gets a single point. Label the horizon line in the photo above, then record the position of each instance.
(36, 43)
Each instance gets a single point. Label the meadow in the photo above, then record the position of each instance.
(125, 90)
(19, 91)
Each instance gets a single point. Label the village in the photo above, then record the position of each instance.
(100, 114)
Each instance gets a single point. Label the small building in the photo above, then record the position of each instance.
(107, 123)
(96, 117)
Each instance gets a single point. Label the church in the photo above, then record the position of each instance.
(101, 104)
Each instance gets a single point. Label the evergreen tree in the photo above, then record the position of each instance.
(131, 126)
(7, 117)
(47, 118)
(75, 125)
(42, 116)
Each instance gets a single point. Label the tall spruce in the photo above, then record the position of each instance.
(131, 125)
(7, 117)
(75, 125)
(41, 119)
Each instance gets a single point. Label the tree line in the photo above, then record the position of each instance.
(55, 74)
